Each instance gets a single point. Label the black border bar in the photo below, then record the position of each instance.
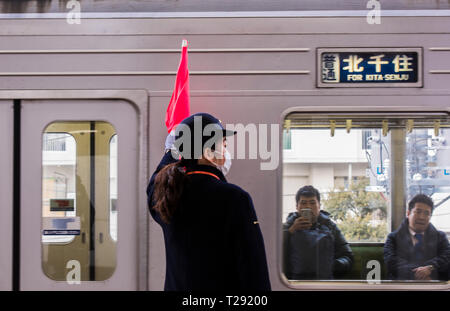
(16, 194)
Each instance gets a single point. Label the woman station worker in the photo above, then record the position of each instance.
(211, 233)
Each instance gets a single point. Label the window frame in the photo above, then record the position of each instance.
(327, 112)
(81, 127)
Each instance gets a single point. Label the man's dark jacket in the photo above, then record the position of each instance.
(213, 242)
(339, 251)
(399, 253)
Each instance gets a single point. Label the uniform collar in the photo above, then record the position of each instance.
(207, 168)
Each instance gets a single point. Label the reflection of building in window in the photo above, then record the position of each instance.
(318, 159)
(59, 158)
(55, 187)
(55, 142)
(336, 164)
(341, 167)
(59, 177)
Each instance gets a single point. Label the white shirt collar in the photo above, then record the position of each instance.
(413, 233)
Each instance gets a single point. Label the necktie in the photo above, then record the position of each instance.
(418, 248)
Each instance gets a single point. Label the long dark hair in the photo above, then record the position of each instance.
(170, 183)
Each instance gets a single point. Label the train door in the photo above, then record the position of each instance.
(6, 192)
(79, 184)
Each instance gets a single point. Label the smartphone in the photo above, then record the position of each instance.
(306, 213)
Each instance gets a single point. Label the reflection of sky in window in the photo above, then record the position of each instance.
(441, 214)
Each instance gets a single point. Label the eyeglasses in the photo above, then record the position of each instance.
(420, 213)
(310, 202)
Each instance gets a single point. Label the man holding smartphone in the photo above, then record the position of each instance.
(313, 246)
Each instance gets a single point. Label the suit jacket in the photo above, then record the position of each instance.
(399, 253)
(213, 241)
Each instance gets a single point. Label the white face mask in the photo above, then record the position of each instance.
(225, 168)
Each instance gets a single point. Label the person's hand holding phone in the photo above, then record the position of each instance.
(303, 222)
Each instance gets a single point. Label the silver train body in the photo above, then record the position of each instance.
(246, 67)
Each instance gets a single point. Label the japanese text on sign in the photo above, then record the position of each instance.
(369, 67)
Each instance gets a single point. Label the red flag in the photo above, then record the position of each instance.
(179, 107)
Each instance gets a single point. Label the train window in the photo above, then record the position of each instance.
(79, 201)
(366, 169)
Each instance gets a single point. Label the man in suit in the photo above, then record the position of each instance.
(417, 250)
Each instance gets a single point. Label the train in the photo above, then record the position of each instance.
(350, 97)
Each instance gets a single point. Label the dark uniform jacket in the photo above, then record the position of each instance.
(399, 253)
(320, 252)
(213, 241)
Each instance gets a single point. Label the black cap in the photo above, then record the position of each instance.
(199, 128)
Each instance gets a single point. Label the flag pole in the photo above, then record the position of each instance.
(179, 107)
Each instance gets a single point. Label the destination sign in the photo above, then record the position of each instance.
(65, 205)
(365, 67)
